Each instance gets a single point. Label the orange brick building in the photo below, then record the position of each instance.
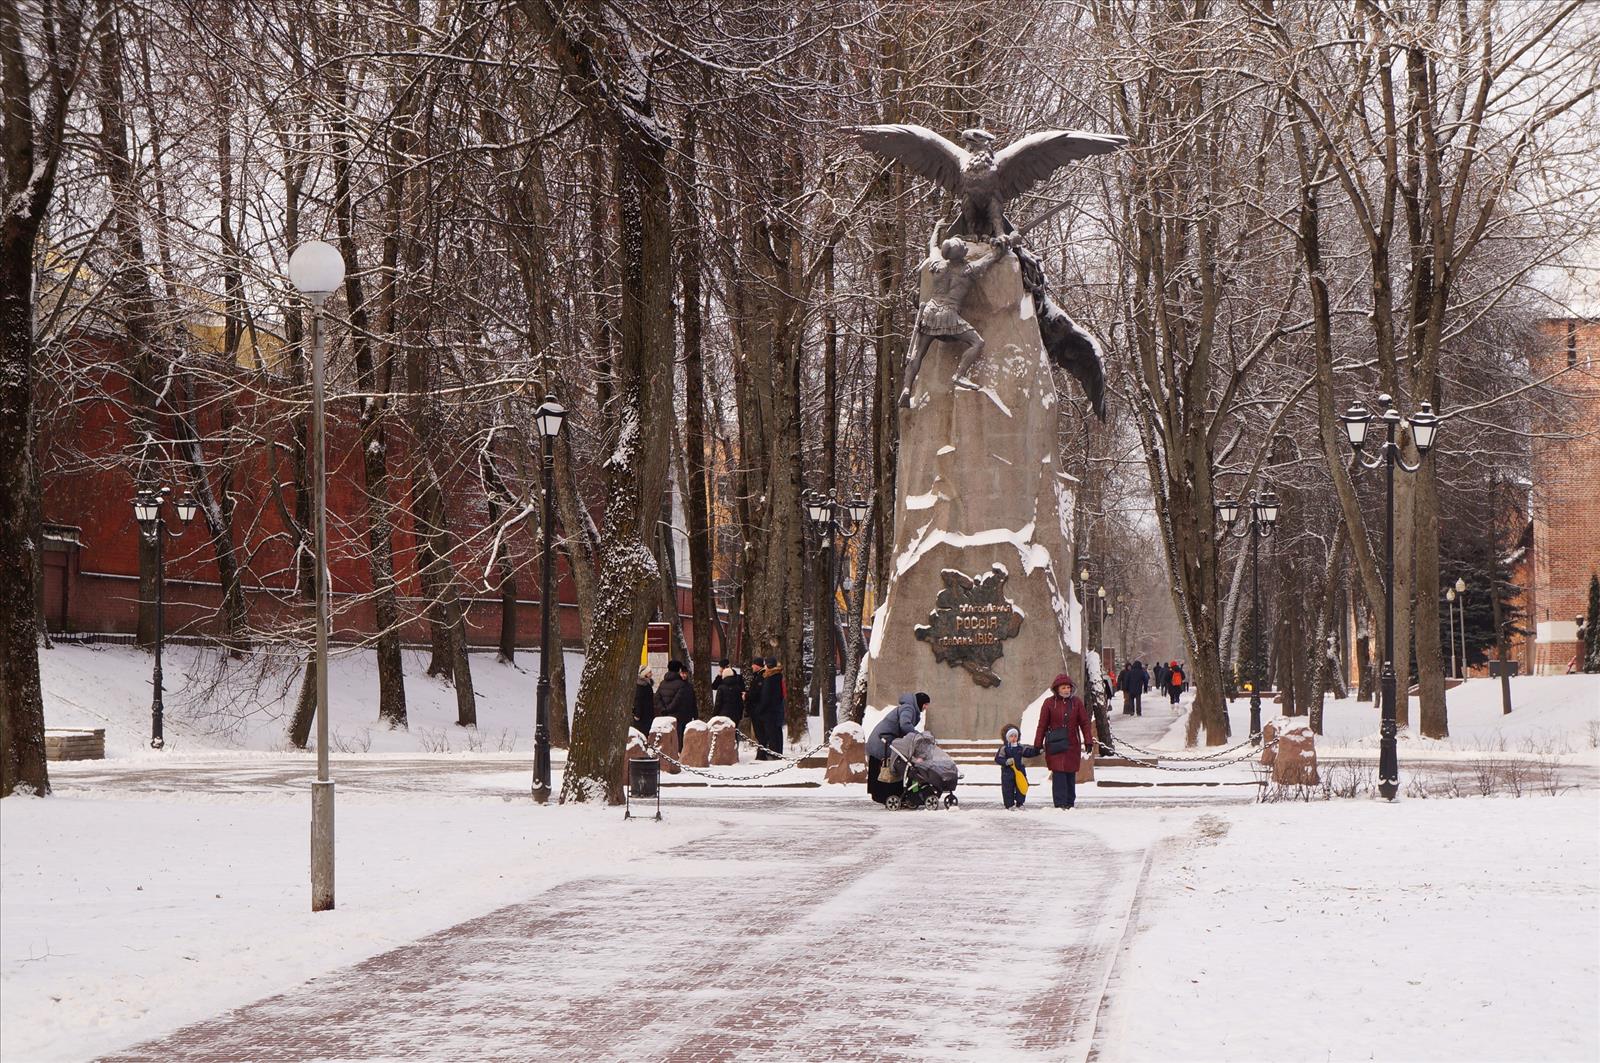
(1564, 500)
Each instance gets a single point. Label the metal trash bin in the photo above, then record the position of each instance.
(644, 782)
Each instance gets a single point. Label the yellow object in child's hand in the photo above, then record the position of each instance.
(1022, 781)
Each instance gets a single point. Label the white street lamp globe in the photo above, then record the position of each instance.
(316, 269)
(550, 416)
(1461, 586)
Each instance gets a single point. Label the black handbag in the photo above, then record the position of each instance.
(1058, 740)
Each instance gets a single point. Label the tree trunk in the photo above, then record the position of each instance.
(697, 505)
(22, 760)
(372, 440)
(628, 578)
(305, 705)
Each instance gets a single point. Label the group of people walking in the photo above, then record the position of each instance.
(1065, 731)
(758, 698)
(1135, 679)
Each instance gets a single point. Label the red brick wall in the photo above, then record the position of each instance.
(87, 461)
(1565, 500)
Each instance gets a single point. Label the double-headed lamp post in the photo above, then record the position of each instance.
(830, 517)
(550, 416)
(147, 503)
(1424, 425)
(316, 269)
(1263, 517)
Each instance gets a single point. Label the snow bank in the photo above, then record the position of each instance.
(124, 918)
(216, 704)
(1557, 714)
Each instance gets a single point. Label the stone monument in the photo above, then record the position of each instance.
(980, 611)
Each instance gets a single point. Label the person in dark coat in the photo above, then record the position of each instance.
(644, 702)
(1064, 709)
(752, 700)
(1133, 687)
(1161, 677)
(769, 725)
(905, 718)
(1010, 758)
(1175, 682)
(727, 692)
(675, 697)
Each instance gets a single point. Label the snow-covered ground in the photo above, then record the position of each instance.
(213, 702)
(1555, 715)
(125, 915)
(1463, 930)
(155, 890)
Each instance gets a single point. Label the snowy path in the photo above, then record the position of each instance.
(836, 933)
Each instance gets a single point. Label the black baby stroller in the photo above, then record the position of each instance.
(930, 774)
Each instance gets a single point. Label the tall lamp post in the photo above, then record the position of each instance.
(550, 416)
(1083, 615)
(147, 504)
(830, 517)
(317, 269)
(1263, 517)
(1424, 425)
(1461, 604)
(1450, 610)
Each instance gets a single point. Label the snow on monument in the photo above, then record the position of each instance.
(980, 611)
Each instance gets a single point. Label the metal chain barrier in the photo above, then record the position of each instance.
(1203, 762)
(789, 762)
(1213, 755)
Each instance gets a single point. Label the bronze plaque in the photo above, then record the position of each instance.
(970, 621)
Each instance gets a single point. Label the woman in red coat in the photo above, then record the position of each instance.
(1064, 710)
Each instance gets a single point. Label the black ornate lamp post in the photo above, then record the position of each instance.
(830, 517)
(316, 269)
(550, 416)
(147, 504)
(1263, 516)
(1424, 425)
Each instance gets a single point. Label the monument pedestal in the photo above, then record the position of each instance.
(979, 612)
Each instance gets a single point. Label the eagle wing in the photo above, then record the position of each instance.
(1038, 155)
(921, 149)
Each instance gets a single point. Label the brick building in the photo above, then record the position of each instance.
(1564, 495)
(87, 453)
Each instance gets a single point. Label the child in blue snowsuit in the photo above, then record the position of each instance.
(1009, 757)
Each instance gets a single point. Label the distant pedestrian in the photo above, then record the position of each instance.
(1175, 681)
(769, 725)
(675, 697)
(1134, 679)
(644, 701)
(727, 692)
(1064, 732)
(905, 718)
(1161, 677)
(1013, 772)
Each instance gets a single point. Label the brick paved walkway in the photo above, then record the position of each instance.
(841, 932)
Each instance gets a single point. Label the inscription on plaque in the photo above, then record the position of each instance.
(970, 621)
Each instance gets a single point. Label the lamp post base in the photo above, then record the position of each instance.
(1388, 755)
(322, 846)
(1255, 718)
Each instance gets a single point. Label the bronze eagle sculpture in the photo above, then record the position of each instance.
(985, 180)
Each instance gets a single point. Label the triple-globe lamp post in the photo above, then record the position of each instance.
(830, 517)
(1263, 518)
(316, 269)
(1424, 426)
(550, 416)
(147, 510)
